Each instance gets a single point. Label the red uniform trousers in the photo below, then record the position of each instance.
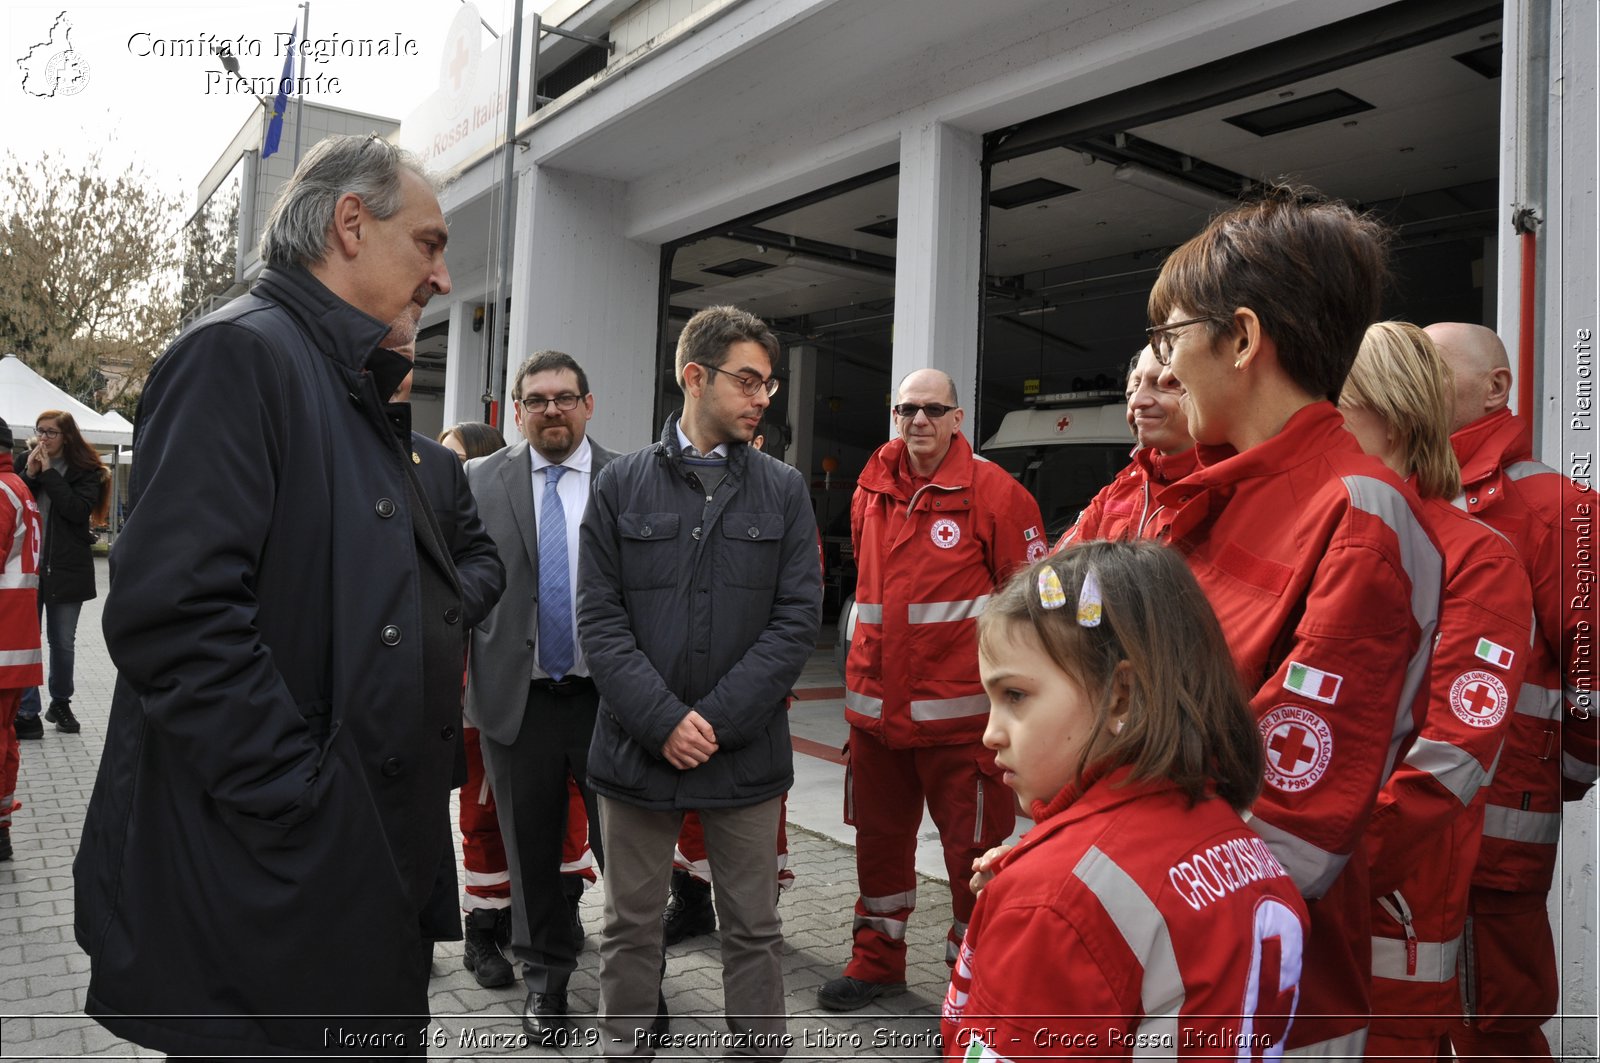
(884, 793)
(9, 755)
(1506, 932)
(483, 853)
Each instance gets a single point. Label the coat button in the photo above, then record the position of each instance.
(1472, 501)
(530, 644)
(391, 767)
(447, 732)
(451, 615)
(754, 531)
(645, 531)
(390, 635)
(385, 508)
(696, 534)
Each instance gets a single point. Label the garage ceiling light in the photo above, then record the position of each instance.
(1032, 191)
(1165, 184)
(1297, 114)
(739, 267)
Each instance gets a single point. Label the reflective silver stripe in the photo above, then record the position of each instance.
(945, 612)
(946, 708)
(953, 940)
(1312, 869)
(17, 658)
(1520, 825)
(1142, 927)
(1451, 767)
(1351, 1045)
(893, 929)
(1541, 703)
(1420, 559)
(1521, 470)
(1576, 770)
(485, 878)
(890, 902)
(1436, 961)
(16, 581)
(860, 703)
(867, 613)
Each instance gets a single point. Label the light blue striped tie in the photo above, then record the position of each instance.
(555, 582)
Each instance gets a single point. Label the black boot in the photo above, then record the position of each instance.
(61, 715)
(482, 955)
(689, 911)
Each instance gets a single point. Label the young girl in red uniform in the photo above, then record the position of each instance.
(1140, 914)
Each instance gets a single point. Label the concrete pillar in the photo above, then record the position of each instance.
(463, 366)
(802, 390)
(938, 258)
(1567, 442)
(581, 286)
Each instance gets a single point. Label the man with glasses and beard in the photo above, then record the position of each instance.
(529, 686)
(700, 606)
(935, 529)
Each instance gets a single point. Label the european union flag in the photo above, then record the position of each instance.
(281, 104)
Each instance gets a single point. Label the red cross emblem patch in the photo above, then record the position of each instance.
(1479, 699)
(1299, 745)
(945, 533)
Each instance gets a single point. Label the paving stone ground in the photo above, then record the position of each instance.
(44, 975)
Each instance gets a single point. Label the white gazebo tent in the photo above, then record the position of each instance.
(24, 394)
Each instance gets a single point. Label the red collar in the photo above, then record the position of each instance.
(889, 472)
(1490, 443)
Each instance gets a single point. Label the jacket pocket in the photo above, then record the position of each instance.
(649, 550)
(751, 544)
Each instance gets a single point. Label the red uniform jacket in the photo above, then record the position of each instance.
(1549, 753)
(1129, 919)
(1423, 838)
(1326, 583)
(1124, 506)
(20, 659)
(927, 559)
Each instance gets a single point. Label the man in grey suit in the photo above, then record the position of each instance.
(528, 685)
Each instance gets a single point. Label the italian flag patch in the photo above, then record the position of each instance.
(1494, 653)
(1313, 683)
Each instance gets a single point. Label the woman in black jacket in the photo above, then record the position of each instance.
(71, 486)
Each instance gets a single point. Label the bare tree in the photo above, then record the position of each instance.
(89, 274)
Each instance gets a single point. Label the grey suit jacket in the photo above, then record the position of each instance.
(503, 644)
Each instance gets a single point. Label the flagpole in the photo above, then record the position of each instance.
(300, 69)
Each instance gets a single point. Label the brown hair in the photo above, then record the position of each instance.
(1312, 269)
(1400, 377)
(80, 455)
(706, 337)
(1188, 719)
(477, 439)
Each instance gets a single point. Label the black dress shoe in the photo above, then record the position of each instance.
(65, 722)
(544, 1019)
(29, 727)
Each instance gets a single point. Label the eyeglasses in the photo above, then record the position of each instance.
(748, 384)
(47, 433)
(564, 402)
(934, 410)
(1161, 343)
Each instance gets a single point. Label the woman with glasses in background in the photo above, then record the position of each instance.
(73, 490)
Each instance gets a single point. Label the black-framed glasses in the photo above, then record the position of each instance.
(47, 433)
(934, 410)
(1161, 342)
(748, 384)
(566, 402)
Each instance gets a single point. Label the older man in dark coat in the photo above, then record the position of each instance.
(287, 627)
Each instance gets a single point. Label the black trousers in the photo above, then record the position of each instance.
(529, 779)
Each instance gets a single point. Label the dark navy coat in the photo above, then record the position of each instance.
(271, 806)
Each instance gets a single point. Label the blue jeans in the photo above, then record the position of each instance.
(61, 633)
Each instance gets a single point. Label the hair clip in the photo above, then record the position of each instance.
(1051, 595)
(1090, 604)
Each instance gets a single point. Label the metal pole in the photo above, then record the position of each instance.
(300, 69)
(497, 346)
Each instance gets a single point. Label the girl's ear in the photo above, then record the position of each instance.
(1121, 690)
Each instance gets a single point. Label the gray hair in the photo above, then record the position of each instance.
(368, 167)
